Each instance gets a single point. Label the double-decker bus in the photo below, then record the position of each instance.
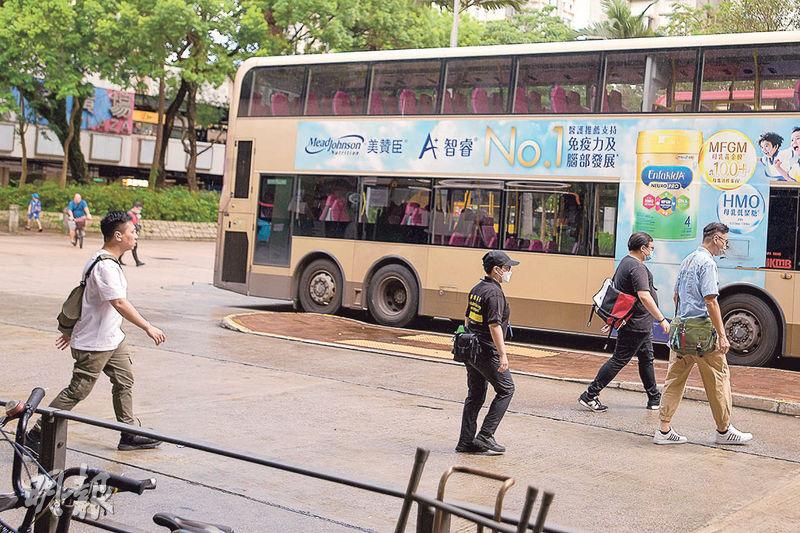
(377, 180)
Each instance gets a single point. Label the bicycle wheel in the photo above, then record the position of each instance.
(80, 238)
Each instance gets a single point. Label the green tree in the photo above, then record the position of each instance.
(620, 23)
(735, 16)
(528, 26)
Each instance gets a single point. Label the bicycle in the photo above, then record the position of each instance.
(47, 494)
(80, 231)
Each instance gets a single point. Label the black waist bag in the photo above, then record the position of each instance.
(466, 347)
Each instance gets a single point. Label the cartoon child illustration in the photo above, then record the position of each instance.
(770, 142)
(788, 161)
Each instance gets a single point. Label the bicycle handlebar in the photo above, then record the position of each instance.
(126, 484)
(37, 395)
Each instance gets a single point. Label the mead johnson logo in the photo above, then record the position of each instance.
(344, 145)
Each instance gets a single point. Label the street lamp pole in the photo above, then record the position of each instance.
(454, 30)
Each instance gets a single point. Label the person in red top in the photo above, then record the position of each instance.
(136, 217)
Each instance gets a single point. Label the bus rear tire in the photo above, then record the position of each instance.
(752, 329)
(321, 288)
(393, 296)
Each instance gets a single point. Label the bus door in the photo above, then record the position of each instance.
(236, 221)
(273, 240)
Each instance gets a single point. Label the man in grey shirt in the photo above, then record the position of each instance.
(695, 295)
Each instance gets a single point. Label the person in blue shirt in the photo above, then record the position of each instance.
(34, 211)
(696, 292)
(77, 211)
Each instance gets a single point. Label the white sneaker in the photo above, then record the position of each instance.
(672, 437)
(733, 436)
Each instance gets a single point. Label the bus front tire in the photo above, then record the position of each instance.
(393, 296)
(321, 288)
(752, 329)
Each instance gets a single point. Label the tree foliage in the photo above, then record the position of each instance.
(528, 26)
(735, 16)
(620, 22)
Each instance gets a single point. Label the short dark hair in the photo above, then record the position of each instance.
(137, 203)
(771, 137)
(713, 228)
(796, 129)
(638, 239)
(111, 223)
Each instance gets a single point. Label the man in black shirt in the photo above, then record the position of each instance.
(487, 316)
(635, 337)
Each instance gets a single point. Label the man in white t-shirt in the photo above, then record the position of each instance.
(97, 341)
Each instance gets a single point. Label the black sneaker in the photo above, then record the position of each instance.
(489, 443)
(592, 404)
(471, 447)
(33, 441)
(128, 442)
(140, 264)
(654, 403)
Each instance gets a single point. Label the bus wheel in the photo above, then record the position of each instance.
(321, 288)
(752, 329)
(393, 296)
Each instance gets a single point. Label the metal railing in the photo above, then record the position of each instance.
(54, 449)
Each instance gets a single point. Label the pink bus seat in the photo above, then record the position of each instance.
(312, 104)
(797, 95)
(521, 102)
(375, 103)
(574, 102)
(523, 244)
(426, 104)
(294, 105)
(448, 103)
(510, 243)
(457, 239)
(335, 210)
(341, 104)
(280, 105)
(487, 232)
(480, 101)
(558, 99)
(414, 215)
(408, 102)
(358, 105)
(615, 102)
(460, 104)
(258, 108)
(535, 246)
(550, 247)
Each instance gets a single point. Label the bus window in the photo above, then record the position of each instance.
(477, 86)
(605, 219)
(273, 92)
(395, 210)
(326, 207)
(404, 88)
(273, 217)
(782, 229)
(729, 77)
(624, 89)
(668, 81)
(556, 84)
(779, 72)
(466, 213)
(337, 89)
(547, 217)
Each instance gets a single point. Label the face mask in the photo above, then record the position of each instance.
(649, 257)
(506, 276)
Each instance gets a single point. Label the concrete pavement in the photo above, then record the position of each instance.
(363, 414)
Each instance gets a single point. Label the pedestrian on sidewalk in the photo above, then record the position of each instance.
(97, 341)
(34, 211)
(696, 292)
(636, 336)
(487, 316)
(136, 218)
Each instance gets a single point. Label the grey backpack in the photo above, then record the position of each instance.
(73, 305)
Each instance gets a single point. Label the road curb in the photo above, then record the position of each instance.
(745, 401)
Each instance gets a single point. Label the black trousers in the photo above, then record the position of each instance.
(479, 375)
(629, 343)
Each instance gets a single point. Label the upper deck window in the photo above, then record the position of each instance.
(556, 84)
(729, 80)
(649, 82)
(337, 89)
(477, 86)
(272, 92)
(405, 88)
(779, 77)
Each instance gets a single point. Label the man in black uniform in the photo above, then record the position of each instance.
(636, 336)
(487, 316)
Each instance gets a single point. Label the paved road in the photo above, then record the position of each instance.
(362, 415)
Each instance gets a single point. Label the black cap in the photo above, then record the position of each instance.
(497, 258)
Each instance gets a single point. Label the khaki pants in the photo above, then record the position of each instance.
(116, 364)
(716, 377)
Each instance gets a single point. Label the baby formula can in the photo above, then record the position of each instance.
(667, 186)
